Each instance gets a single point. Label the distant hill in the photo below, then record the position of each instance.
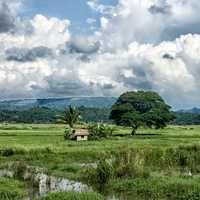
(191, 111)
(58, 103)
(187, 117)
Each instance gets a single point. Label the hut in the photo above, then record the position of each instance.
(81, 135)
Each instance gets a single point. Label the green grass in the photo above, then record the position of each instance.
(167, 154)
(11, 189)
(43, 145)
(160, 187)
(73, 196)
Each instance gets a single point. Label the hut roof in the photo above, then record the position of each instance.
(81, 132)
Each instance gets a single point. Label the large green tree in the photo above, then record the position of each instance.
(135, 109)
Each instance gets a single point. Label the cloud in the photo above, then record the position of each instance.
(140, 45)
(27, 55)
(101, 8)
(40, 31)
(91, 20)
(154, 9)
(148, 21)
(86, 45)
(6, 18)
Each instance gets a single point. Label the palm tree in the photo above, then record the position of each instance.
(71, 116)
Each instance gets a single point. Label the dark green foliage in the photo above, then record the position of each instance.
(48, 115)
(19, 169)
(33, 115)
(7, 152)
(99, 130)
(186, 118)
(103, 172)
(134, 109)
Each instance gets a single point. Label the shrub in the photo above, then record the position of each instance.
(7, 152)
(100, 176)
(68, 133)
(19, 169)
(100, 130)
(127, 164)
(104, 172)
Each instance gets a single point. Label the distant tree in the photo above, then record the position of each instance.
(135, 109)
(70, 116)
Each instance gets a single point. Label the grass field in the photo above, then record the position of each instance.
(167, 155)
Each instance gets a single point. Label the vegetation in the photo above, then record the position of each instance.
(73, 196)
(68, 133)
(159, 187)
(166, 159)
(135, 109)
(11, 189)
(155, 164)
(42, 115)
(47, 115)
(100, 130)
(187, 118)
(70, 116)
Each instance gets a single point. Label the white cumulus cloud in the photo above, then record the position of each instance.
(141, 45)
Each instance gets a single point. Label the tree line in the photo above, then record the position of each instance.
(136, 108)
(45, 115)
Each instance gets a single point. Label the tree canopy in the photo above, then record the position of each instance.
(141, 108)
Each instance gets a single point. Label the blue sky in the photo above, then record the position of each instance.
(77, 11)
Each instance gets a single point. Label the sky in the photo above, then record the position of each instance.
(100, 48)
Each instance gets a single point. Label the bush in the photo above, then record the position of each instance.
(100, 176)
(104, 172)
(127, 164)
(19, 169)
(100, 131)
(7, 152)
(68, 133)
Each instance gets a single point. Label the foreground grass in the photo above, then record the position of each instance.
(159, 187)
(73, 196)
(11, 189)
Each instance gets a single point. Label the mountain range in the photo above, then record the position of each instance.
(58, 103)
(191, 111)
(61, 103)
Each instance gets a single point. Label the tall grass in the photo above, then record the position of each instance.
(168, 188)
(11, 189)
